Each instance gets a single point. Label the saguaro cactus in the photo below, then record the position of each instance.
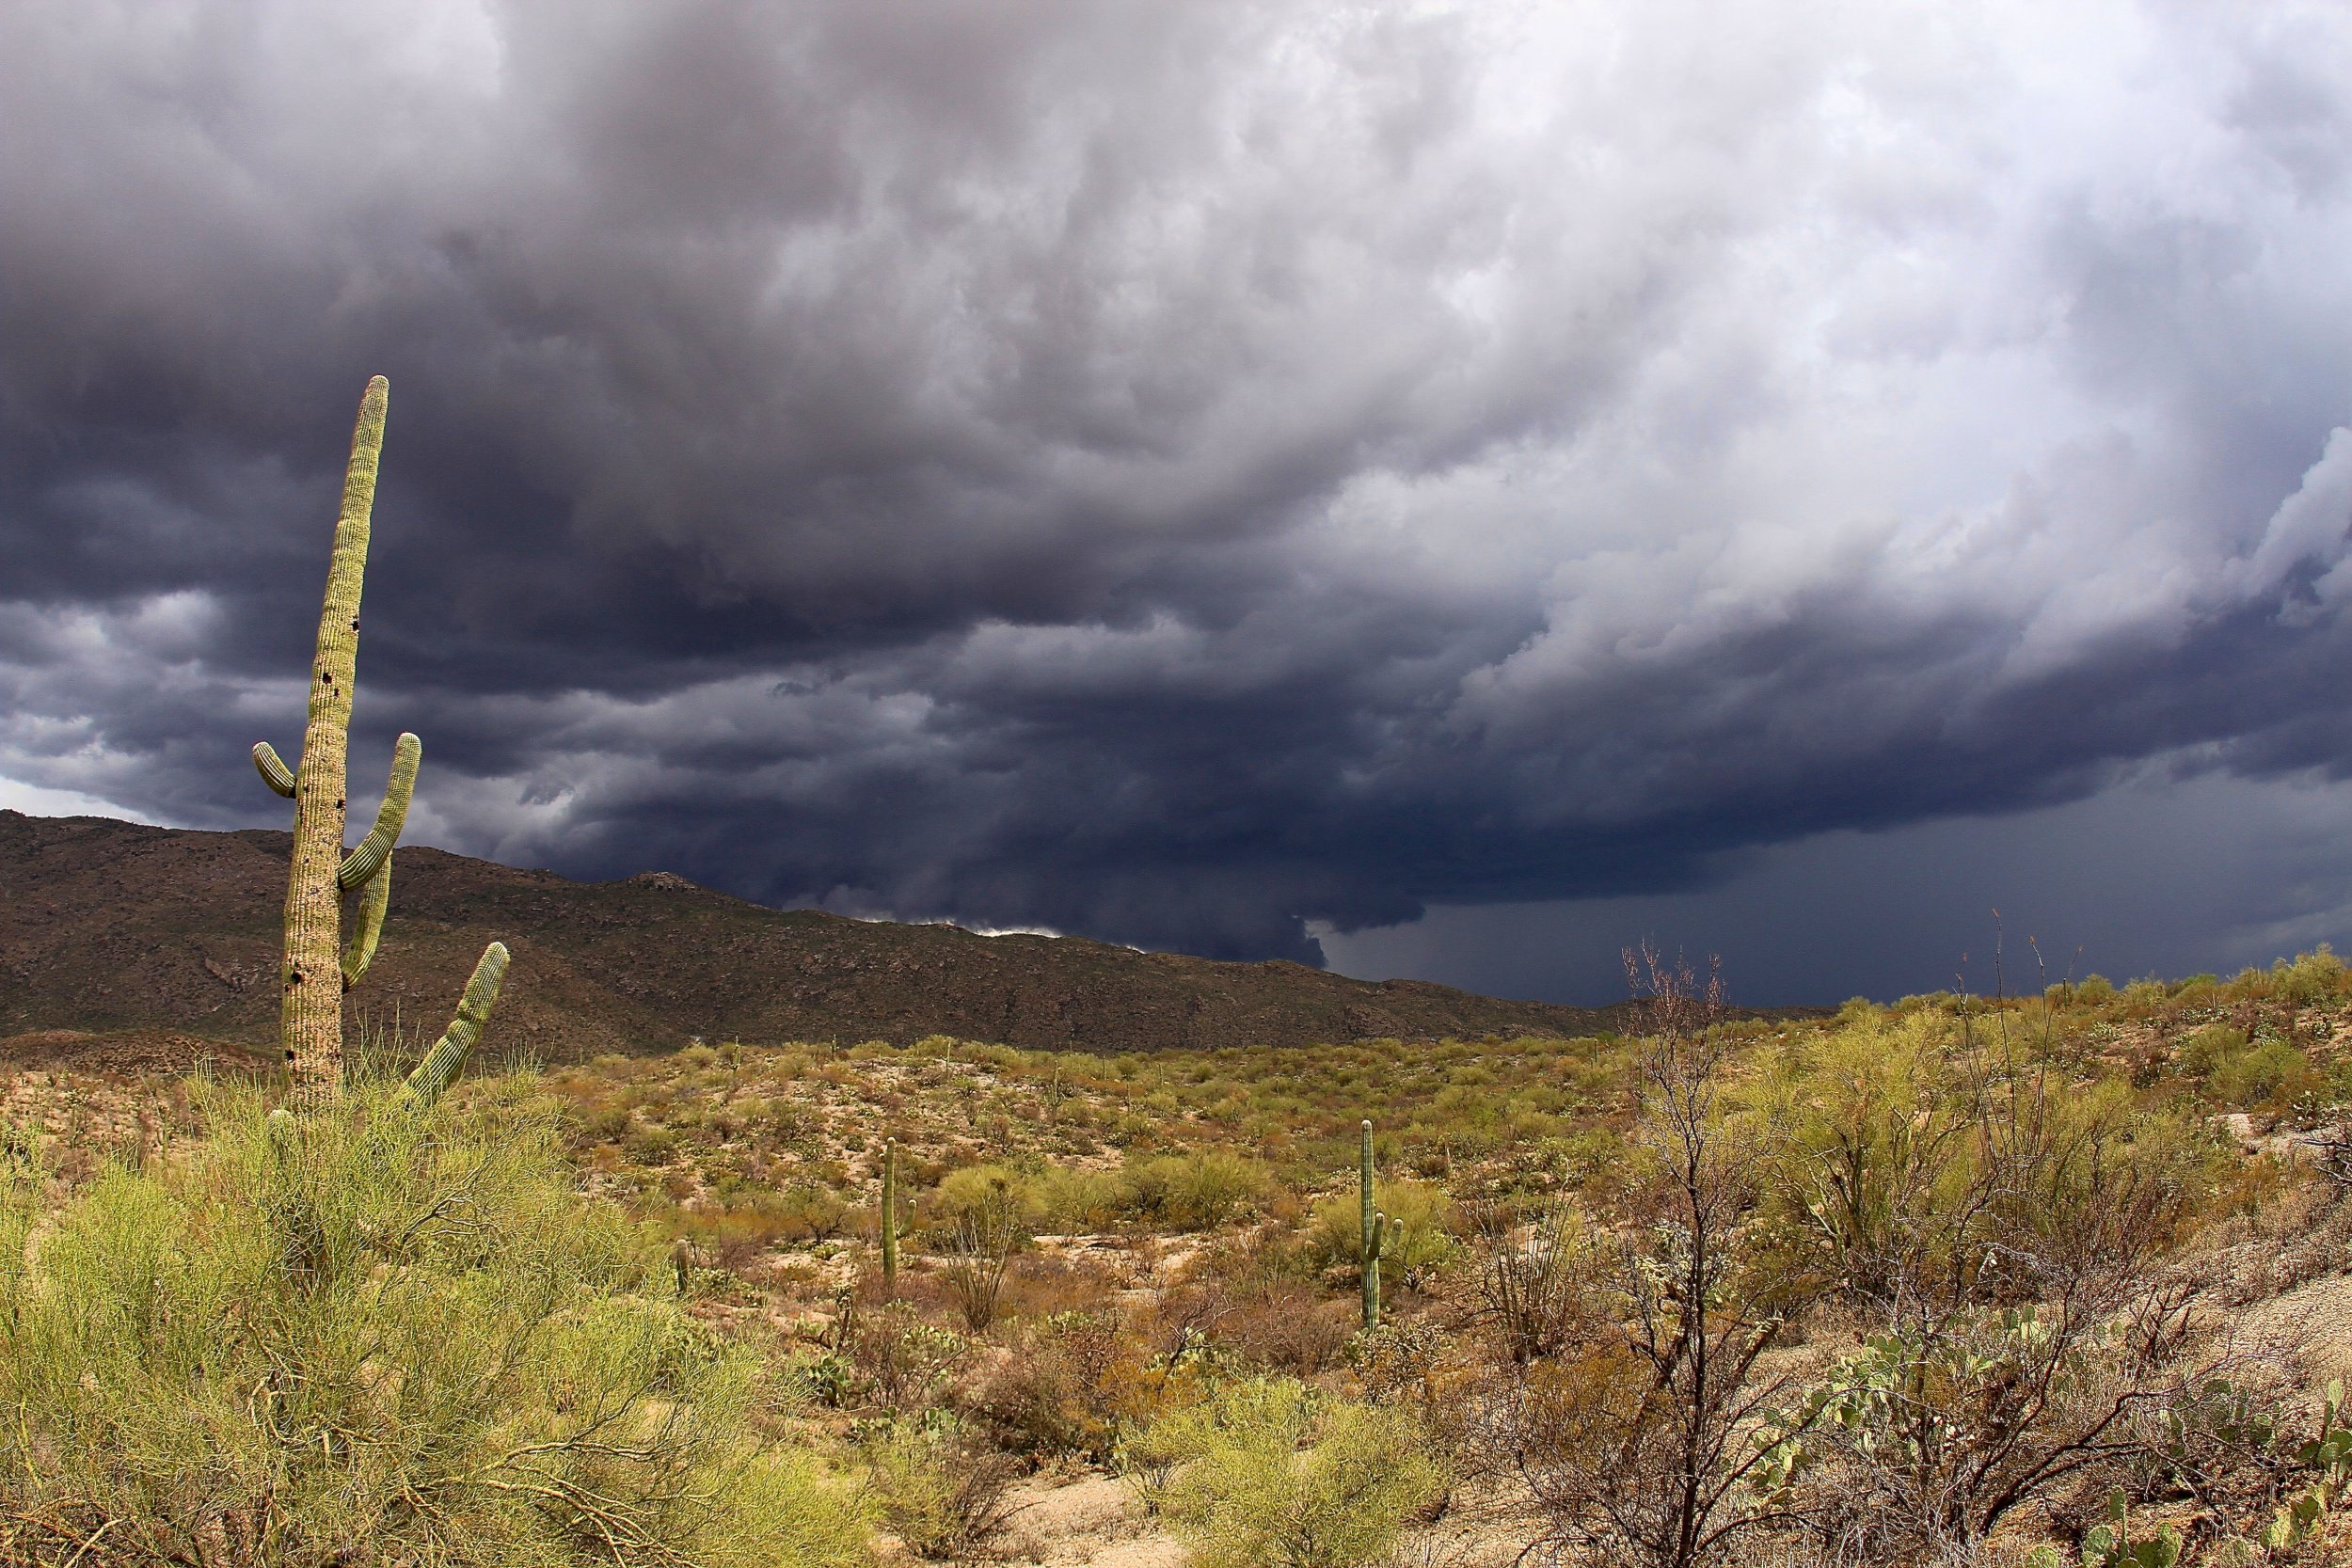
(311, 1014)
(890, 1211)
(1373, 1231)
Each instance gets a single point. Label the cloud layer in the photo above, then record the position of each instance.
(1182, 473)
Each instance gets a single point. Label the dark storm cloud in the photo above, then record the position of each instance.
(1179, 472)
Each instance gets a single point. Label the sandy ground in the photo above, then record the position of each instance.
(1089, 1521)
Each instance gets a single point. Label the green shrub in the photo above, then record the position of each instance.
(2266, 1071)
(943, 1489)
(2311, 979)
(995, 1191)
(2203, 1051)
(1421, 1218)
(652, 1144)
(1075, 1201)
(1194, 1191)
(1265, 1474)
(361, 1337)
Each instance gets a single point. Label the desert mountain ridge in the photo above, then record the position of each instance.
(111, 929)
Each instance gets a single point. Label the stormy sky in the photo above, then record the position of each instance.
(1436, 489)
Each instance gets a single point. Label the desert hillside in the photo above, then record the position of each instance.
(110, 927)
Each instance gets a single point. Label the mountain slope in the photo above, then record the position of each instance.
(110, 926)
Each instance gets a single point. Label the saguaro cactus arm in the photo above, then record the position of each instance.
(389, 817)
(360, 950)
(441, 1064)
(274, 773)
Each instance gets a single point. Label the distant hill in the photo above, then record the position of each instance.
(113, 929)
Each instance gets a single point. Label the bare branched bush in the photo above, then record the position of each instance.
(1639, 1443)
(896, 1358)
(943, 1489)
(1284, 1327)
(981, 1243)
(1533, 1288)
(1064, 1389)
(2331, 1148)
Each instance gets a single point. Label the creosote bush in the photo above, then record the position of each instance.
(363, 1336)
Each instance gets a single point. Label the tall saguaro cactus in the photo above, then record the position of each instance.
(890, 1211)
(315, 975)
(1372, 1230)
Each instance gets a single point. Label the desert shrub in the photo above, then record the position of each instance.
(1421, 1218)
(1072, 1201)
(1532, 1269)
(1059, 1391)
(1441, 1378)
(1403, 1361)
(993, 1190)
(1639, 1442)
(605, 1121)
(1198, 1191)
(942, 1488)
(1874, 1145)
(1266, 1474)
(1047, 1286)
(2266, 1072)
(1257, 1260)
(981, 1240)
(1926, 1169)
(1284, 1326)
(1929, 1436)
(1036, 1400)
(896, 1359)
(738, 1231)
(2204, 1050)
(360, 1336)
(2002, 1241)
(2312, 978)
(651, 1145)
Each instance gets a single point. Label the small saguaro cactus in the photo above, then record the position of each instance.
(1373, 1234)
(310, 1009)
(890, 1211)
